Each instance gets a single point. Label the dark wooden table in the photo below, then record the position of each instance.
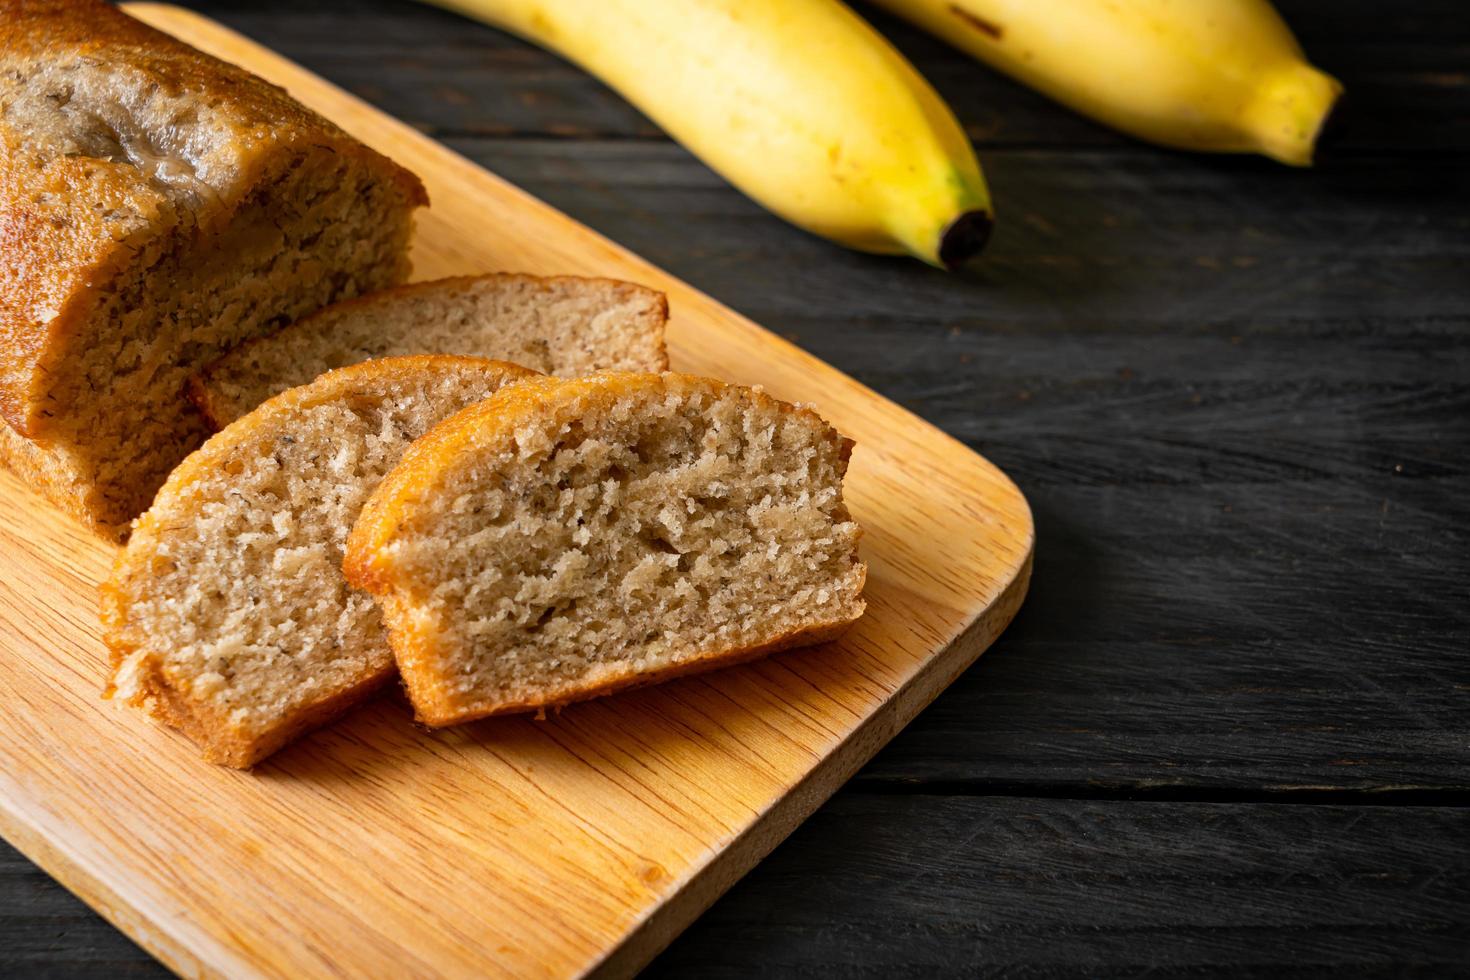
(1230, 731)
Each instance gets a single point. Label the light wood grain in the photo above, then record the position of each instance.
(579, 844)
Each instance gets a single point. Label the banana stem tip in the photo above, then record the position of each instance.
(965, 238)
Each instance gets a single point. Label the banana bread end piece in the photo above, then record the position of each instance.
(157, 207)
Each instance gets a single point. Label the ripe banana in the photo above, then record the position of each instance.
(1221, 75)
(799, 103)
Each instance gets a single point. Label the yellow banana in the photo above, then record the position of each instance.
(1221, 75)
(799, 103)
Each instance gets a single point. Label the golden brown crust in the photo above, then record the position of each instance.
(200, 391)
(212, 733)
(432, 709)
(148, 685)
(368, 563)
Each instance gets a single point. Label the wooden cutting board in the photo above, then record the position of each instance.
(582, 843)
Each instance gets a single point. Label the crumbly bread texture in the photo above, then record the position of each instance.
(227, 613)
(157, 207)
(568, 538)
(564, 325)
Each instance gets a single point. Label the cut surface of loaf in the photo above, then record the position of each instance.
(562, 325)
(157, 207)
(227, 614)
(568, 538)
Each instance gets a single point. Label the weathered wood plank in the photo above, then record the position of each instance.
(1305, 634)
(1257, 315)
(885, 886)
(1404, 68)
(951, 886)
(47, 932)
(1100, 244)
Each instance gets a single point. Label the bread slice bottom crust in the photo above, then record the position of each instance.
(431, 708)
(152, 691)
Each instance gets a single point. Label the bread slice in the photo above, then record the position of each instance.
(227, 614)
(568, 538)
(157, 207)
(563, 325)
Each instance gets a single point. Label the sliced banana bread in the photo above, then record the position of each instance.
(157, 207)
(568, 538)
(227, 614)
(563, 325)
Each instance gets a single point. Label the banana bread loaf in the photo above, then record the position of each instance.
(227, 613)
(562, 325)
(157, 207)
(568, 538)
